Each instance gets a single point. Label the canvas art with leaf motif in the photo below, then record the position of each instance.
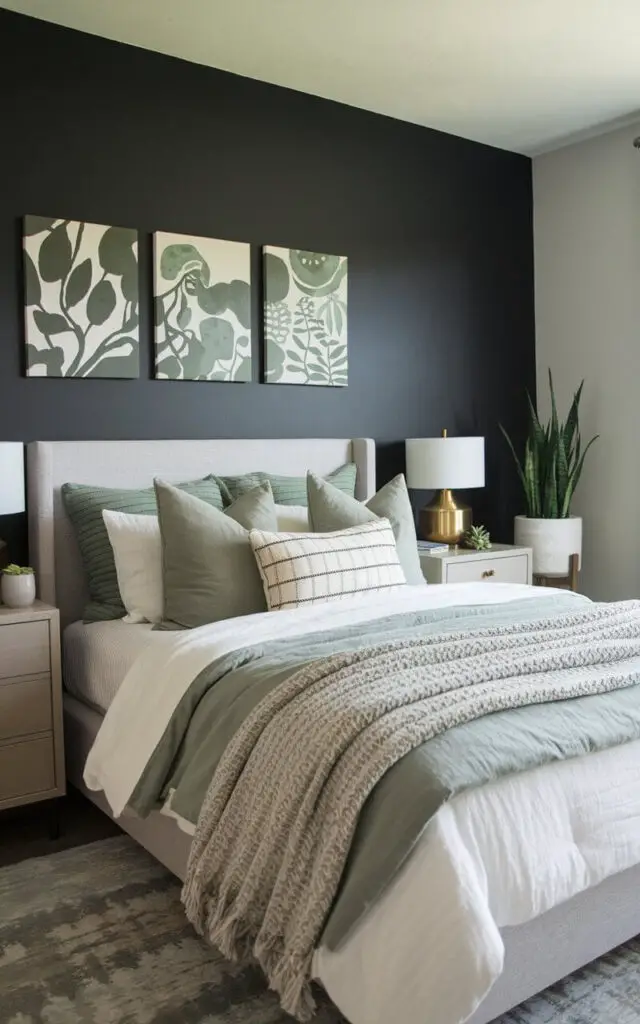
(202, 308)
(305, 317)
(81, 299)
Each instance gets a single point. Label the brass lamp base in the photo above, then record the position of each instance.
(444, 519)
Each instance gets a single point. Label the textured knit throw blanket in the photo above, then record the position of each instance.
(276, 826)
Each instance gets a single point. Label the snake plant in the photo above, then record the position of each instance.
(553, 459)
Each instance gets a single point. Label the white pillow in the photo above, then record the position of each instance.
(137, 552)
(299, 569)
(293, 518)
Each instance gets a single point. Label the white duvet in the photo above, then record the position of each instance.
(500, 855)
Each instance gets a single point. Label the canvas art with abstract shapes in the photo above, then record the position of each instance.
(305, 317)
(81, 299)
(202, 308)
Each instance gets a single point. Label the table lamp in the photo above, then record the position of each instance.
(11, 484)
(440, 464)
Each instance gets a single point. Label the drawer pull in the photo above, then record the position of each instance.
(487, 573)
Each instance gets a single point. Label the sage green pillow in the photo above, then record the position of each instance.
(287, 490)
(85, 505)
(330, 509)
(209, 570)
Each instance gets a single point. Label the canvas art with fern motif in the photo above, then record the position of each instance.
(305, 317)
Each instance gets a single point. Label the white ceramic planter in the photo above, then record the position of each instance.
(553, 542)
(18, 591)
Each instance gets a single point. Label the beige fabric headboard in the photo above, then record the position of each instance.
(53, 551)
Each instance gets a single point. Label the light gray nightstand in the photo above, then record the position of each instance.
(31, 736)
(503, 563)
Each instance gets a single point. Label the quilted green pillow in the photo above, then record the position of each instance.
(287, 490)
(84, 505)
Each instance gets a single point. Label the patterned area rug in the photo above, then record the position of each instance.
(96, 935)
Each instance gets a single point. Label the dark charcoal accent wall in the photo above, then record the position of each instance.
(438, 232)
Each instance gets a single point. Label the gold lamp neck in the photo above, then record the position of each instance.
(444, 431)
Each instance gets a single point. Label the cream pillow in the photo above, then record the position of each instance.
(137, 553)
(299, 569)
(293, 518)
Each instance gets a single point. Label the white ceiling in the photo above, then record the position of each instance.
(524, 75)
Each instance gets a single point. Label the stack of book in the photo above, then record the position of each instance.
(431, 546)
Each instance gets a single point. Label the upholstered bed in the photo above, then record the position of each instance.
(536, 953)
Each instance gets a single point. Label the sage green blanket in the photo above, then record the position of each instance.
(409, 794)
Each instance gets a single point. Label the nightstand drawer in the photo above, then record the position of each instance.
(491, 570)
(25, 707)
(24, 649)
(27, 768)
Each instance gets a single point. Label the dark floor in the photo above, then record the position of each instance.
(25, 831)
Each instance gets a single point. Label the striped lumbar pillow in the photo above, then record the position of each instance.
(300, 569)
(84, 506)
(287, 490)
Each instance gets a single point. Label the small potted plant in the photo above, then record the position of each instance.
(18, 588)
(549, 472)
(478, 538)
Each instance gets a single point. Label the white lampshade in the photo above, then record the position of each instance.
(435, 463)
(11, 477)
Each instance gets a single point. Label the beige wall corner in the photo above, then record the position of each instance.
(587, 279)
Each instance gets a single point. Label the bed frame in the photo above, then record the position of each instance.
(537, 953)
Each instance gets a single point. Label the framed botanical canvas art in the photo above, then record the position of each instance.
(202, 308)
(305, 317)
(81, 299)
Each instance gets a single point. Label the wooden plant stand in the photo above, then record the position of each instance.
(568, 582)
